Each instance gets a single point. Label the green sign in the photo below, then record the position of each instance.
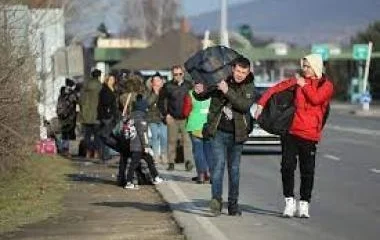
(360, 51)
(322, 49)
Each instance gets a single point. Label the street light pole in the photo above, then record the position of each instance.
(223, 24)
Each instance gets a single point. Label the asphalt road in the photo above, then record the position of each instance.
(346, 197)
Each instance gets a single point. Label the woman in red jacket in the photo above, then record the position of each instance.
(312, 97)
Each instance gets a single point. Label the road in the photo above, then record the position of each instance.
(346, 197)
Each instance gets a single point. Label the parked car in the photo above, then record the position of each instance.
(258, 136)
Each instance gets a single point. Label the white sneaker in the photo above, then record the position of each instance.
(290, 207)
(130, 185)
(158, 180)
(303, 209)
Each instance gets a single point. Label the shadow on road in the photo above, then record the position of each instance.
(90, 179)
(197, 206)
(148, 207)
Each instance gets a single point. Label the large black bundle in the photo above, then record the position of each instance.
(211, 65)
(277, 114)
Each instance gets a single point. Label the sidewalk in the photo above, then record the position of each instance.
(97, 209)
(356, 109)
(190, 204)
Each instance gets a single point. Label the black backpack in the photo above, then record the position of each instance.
(64, 106)
(277, 115)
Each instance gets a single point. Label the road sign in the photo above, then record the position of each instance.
(360, 51)
(322, 49)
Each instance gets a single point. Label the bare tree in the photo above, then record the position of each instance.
(148, 19)
(82, 18)
(18, 113)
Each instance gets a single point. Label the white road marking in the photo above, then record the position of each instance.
(332, 157)
(355, 130)
(203, 222)
(374, 170)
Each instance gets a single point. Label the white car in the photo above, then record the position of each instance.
(258, 136)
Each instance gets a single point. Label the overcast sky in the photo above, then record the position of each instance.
(195, 7)
(190, 8)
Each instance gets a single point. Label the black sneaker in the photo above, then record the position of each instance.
(233, 209)
(170, 167)
(194, 179)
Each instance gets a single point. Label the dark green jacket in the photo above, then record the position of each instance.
(89, 101)
(240, 97)
(154, 115)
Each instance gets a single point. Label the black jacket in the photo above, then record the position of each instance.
(171, 97)
(107, 105)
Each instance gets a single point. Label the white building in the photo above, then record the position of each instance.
(42, 32)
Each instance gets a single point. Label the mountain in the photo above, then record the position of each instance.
(301, 22)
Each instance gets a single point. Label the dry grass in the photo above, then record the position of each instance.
(33, 192)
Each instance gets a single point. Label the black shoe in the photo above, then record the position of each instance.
(194, 179)
(233, 209)
(189, 165)
(170, 167)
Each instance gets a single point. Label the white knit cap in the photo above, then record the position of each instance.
(316, 63)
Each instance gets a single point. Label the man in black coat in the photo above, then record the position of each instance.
(170, 104)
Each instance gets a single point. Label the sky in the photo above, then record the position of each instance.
(190, 8)
(196, 7)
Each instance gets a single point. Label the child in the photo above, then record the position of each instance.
(139, 143)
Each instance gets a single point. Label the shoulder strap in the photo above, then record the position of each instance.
(126, 105)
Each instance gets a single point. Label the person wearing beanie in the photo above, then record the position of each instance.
(139, 143)
(313, 93)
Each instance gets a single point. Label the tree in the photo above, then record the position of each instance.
(82, 18)
(18, 112)
(246, 31)
(372, 33)
(148, 19)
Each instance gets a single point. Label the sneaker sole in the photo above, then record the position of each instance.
(288, 215)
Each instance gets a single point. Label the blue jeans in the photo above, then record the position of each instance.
(159, 139)
(202, 153)
(225, 149)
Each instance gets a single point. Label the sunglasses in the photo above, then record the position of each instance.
(177, 74)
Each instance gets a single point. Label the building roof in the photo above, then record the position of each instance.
(173, 48)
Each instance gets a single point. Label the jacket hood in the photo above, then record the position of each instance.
(316, 63)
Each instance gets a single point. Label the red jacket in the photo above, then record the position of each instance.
(310, 101)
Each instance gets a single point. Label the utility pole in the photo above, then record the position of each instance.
(366, 95)
(223, 23)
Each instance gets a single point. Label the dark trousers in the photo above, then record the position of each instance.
(123, 167)
(293, 146)
(91, 138)
(135, 163)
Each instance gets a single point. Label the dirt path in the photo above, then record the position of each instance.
(96, 208)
